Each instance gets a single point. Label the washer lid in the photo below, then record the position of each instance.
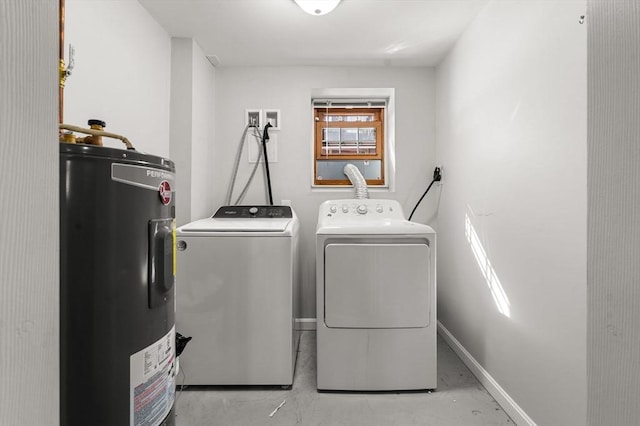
(237, 225)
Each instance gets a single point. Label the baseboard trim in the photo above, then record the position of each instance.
(306, 324)
(507, 403)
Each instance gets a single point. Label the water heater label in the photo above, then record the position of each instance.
(140, 176)
(152, 373)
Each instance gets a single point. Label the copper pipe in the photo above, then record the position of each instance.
(95, 132)
(61, 63)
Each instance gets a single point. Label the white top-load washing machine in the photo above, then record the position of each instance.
(237, 289)
(376, 298)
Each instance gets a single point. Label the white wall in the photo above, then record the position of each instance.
(29, 242)
(614, 203)
(511, 136)
(192, 130)
(122, 72)
(289, 89)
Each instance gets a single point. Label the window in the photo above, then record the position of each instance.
(349, 131)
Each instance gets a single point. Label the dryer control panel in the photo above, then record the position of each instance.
(248, 212)
(366, 208)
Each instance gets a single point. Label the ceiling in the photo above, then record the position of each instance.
(356, 33)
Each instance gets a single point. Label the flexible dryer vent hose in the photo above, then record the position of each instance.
(357, 180)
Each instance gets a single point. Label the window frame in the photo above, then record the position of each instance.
(363, 106)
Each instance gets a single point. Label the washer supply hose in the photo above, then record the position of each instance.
(234, 173)
(256, 134)
(357, 180)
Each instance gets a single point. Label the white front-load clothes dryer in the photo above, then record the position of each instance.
(237, 295)
(376, 298)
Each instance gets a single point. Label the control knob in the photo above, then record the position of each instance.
(253, 211)
(362, 209)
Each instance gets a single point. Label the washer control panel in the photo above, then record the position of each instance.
(250, 212)
(364, 208)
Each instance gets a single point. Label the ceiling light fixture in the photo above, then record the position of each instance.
(317, 7)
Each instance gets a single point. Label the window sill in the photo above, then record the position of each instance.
(339, 188)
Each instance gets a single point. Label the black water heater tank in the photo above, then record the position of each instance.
(117, 293)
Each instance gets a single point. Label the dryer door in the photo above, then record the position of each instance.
(377, 285)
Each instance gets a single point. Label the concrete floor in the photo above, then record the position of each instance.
(460, 400)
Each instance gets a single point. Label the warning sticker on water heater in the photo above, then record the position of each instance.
(152, 373)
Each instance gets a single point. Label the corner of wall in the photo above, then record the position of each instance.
(181, 129)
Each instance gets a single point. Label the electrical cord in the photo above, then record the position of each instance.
(265, 138)
(181, 386)
(437, 177)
